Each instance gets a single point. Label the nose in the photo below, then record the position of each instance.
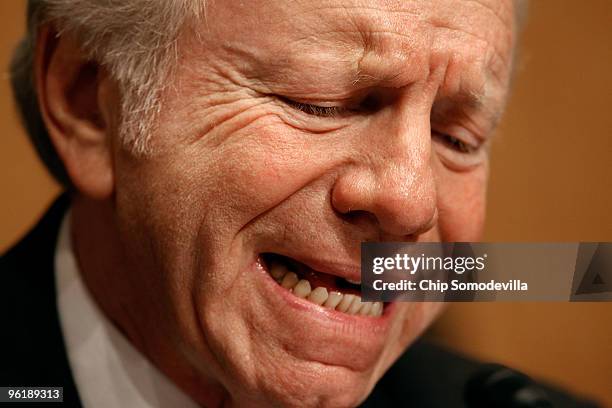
(392, 181)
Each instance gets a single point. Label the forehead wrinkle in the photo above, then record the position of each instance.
(497, 54)
(334, 6)
(390, 62)
(434, 25)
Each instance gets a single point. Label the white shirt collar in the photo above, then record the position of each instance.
(107, 369)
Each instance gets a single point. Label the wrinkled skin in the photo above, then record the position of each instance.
(238, 169)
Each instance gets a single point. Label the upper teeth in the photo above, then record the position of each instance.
(289, 280)
(347, 303)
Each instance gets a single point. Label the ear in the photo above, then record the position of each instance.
(78, 101)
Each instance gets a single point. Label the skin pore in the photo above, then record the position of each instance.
(290, 127)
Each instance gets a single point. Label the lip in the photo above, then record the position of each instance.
(312, 336)
(342, 270)
(327, 319)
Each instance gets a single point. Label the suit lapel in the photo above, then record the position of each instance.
(32, 348)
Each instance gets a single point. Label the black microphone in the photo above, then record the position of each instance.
(496, 386)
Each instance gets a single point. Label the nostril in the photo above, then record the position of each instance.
(358, 217)
(352, 190)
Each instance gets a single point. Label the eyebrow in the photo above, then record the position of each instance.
(368, 79)
(468, 99)
(480, 103)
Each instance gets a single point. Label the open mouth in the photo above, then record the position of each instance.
(332, 292)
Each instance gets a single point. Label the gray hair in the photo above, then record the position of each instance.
(135, 40)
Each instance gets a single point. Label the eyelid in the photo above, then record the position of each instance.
(452, 140)
(317, 109)
(456, 159)
(459, 132)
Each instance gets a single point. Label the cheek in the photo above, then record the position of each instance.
(190, 204)
(236, 177)
(462, 204)
(258, 167)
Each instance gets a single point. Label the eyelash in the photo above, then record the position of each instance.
(456, 144)
(335, 111)
(315, 110)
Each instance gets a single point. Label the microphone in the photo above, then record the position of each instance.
(496, 386)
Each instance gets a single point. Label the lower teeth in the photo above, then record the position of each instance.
(343, 302)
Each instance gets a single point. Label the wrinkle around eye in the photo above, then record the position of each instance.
(301, 124)
(300, 120)
(315, 110)
(214, 132)
(456, 160)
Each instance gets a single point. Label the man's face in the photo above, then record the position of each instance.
(300, 129)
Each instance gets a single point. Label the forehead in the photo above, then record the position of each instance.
(393, 42)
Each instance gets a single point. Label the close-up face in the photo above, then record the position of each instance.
(291, 132)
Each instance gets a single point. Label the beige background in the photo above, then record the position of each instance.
(550, 181)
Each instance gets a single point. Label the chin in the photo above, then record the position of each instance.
(309, 385)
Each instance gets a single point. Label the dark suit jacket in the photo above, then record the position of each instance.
(32, 351)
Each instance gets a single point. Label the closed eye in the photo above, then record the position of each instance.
(316, 110)
(454, 143)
